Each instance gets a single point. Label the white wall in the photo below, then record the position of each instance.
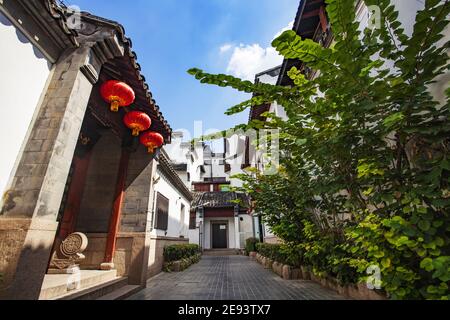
(231, 233)
(177, 149)
(194, 236)
(176, 226)
(256, 226)
(23, 76)
(407, 10)
(193, 167)
(245, 228)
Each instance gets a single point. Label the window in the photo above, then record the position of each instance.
(193, 221)
(162, 212)
(188, 177)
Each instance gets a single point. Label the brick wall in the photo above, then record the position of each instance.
(136, 207)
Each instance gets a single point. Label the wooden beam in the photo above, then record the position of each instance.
(323, 19)
(311, 14)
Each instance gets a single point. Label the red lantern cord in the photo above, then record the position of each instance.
(137, 121)
(117, 93)
(152, 140)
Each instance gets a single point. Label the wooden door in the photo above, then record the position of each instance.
(219, 235)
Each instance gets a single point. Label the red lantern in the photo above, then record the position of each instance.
(137, 121)
(117, 93)
(152, 140)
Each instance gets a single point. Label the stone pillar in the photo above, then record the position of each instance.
(201, 220)
(136, 220)
(28, 215)
(30, 207)
(236, 228)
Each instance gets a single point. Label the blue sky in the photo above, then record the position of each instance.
(219, 36)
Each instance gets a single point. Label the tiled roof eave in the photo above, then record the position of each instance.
(132, 56)
(174, 178)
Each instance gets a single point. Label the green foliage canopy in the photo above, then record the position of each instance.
(364, 179)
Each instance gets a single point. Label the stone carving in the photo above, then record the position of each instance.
(71, 249)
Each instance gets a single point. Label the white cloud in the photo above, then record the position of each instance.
(248, 60)
(290, 26)
(225, 48)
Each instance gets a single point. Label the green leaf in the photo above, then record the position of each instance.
(386, 262)
(427, 264)
(424, 225)
(393, 119)
(301, 142)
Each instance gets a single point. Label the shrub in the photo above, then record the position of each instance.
(250, 244)
(283, 253)
(180, 251)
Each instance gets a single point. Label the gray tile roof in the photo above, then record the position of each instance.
(219, 199)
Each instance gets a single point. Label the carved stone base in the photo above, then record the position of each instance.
(70, 252)
(73, 268)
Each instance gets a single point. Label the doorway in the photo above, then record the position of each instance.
(219, 235)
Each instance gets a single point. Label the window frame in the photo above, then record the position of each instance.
(162, 217)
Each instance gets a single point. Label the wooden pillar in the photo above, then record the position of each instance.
(116, 212)
(73, 203)
(72, 209)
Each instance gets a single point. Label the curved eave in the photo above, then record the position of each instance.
(59, 14)
(132, 70)
(305, 24)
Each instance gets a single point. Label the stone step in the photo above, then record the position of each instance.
(122, 293)
(221, 252)
(97, 291)
(56, 285)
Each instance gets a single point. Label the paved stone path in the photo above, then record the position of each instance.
(230, 278)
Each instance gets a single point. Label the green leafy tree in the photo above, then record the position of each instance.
(364, 177)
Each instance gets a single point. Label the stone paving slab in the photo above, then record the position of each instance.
(230, 278)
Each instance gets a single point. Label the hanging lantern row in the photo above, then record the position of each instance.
(139, 122)
(119, 94)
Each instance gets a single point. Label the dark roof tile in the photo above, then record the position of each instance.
(219, 199)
